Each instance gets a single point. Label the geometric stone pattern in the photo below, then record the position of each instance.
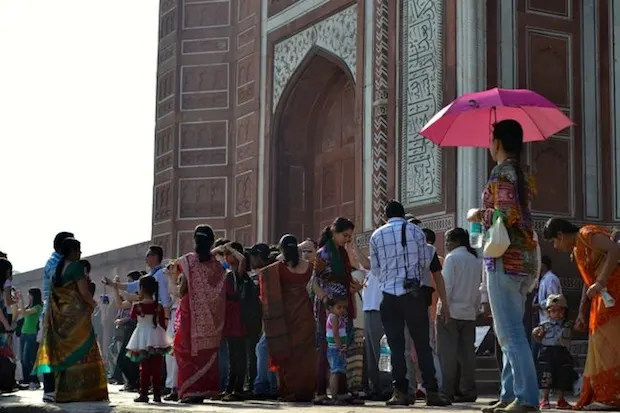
(422, 95)
(380, 131)
(336, 34)
(207, 120)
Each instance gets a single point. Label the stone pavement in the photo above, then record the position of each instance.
(120, 402)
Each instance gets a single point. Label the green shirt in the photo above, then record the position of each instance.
(31, 321)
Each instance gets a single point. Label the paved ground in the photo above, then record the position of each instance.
(30, 402)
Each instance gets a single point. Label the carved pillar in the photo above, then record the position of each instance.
(470, 48)
(380, 125)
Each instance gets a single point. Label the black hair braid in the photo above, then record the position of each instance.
(58, 275)
(521, 187)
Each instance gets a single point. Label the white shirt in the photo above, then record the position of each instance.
(162, 281)
(549, 284)
(392, 263)
(462, 274)
(371, 294)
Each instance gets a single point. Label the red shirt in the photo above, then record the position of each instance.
(233, 327)
(141, 309)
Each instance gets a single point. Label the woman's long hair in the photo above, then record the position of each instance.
(203, 242)
(68, 246)
(149, 284)
(510, 133)
(460, 237)
(339, 225)
(36, 297)
(289, 249)
(5, 268)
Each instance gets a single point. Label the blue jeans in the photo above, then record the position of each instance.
(507, 295)
(266, 382)
(29, 349)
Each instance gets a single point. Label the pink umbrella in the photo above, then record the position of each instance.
(467, 121)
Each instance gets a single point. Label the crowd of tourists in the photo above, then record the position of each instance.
(231, 322)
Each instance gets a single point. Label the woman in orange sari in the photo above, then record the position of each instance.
(288, 322)
(597, 256)
(199, 320)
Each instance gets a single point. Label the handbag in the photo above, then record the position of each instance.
(497, 240)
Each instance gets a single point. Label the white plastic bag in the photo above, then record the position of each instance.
(497, 240)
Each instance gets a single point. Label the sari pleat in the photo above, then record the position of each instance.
(601, 375)
(69, 348)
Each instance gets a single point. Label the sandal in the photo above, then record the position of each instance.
(322, 401)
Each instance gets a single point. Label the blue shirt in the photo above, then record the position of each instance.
(391, 263)
(48, 275)
(162, 281)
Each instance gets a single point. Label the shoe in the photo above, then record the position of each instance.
(157, 399)
(166, 391)
(172, 397)
(544, 404)
(233, 397)
(420, 394)
(399, 399)
(562, 404)
(515, 407)
(498, 405)
(464, 399)
(49, 398)
(141, 399)
(437, 399)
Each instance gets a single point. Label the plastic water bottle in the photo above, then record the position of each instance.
(608, 300)
(475, 235)
(385, 356)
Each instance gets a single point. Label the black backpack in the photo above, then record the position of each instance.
(251, 308)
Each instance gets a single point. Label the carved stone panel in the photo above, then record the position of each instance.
(165, 242)
(162, 204)
(206, 15)
(203, 157)
(167, 24)
(165, 85)
(247, 37)
(246, 79)
(165, 107)
(550, 50)
(552, 163)
(246, 129)
(422, 97)
(336, 34)
(203, 135)
(247, 9)
(243, 235)
(244, 192)
(166, 5)
(204, 78)
(203, 198)
(167, 53)
(164, 141)
(204, 101)
(205, 46)
(557, 8)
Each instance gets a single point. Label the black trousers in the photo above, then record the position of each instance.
(237, 363)
(408, 312)
(129, 369)
(250, 349)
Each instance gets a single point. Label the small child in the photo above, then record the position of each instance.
(555, 363)
(149, 342)
(336, 336)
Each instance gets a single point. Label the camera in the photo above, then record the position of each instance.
(411, 286)
(105, 299)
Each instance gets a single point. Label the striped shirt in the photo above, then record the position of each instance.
(392, 263)
(329, 331)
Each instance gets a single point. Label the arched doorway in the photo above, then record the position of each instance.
(315, 150)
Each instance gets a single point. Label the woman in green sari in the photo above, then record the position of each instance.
(69, 348)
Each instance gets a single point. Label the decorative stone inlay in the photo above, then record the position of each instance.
(422, 97)
(336, 34)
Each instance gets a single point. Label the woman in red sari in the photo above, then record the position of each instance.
(596, 254)
(288, 322)
(199, 320)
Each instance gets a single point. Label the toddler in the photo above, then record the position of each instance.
(555, 363)
(149, 342)
(337, 340)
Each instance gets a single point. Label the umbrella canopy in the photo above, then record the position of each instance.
(468, 120)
